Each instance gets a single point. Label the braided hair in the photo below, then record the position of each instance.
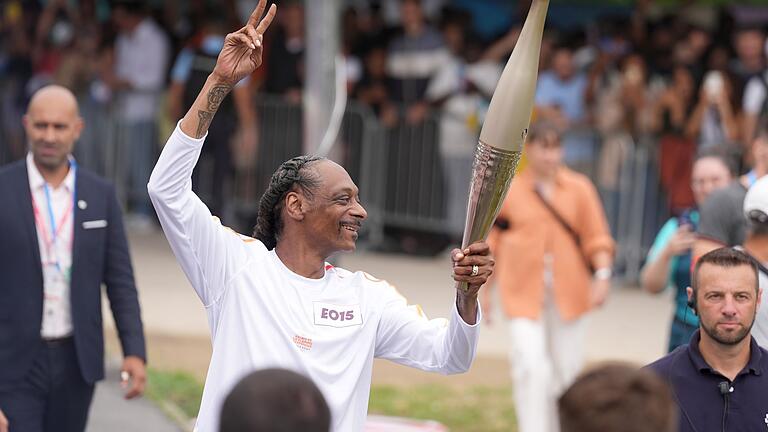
(292, 173)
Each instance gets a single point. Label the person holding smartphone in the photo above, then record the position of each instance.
(713, 121)
(669, 260)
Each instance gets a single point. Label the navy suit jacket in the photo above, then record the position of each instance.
(99, 256)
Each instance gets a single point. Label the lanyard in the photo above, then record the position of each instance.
(50, 244)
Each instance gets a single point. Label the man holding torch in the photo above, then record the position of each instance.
(273, 300)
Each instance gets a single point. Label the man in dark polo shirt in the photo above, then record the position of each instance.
(720, 379)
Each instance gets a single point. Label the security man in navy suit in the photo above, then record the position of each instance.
(61, 238)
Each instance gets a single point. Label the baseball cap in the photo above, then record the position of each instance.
(756, 202)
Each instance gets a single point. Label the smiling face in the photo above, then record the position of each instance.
(726, 301)
(52, 124)
(334, 215)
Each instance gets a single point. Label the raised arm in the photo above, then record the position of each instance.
(671, 241)
(209, 253)
(239, 57)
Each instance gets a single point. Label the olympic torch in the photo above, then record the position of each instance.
(504, 130)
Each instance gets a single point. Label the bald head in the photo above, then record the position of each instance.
(55, 95)
(52, 124)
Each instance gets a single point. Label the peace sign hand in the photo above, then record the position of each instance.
(242, 50)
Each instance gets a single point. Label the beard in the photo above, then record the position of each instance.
(51, 161)
(727, 338)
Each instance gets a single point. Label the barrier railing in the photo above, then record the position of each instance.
(407, 174)
(359, 148)
(414, 178)
(633, 199)
(280, 138)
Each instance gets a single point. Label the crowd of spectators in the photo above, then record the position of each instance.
(676, 79)
(686, 83)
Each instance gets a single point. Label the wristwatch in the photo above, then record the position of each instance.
(604, 273)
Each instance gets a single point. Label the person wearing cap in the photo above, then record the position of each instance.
(756, 245)
(719, 380)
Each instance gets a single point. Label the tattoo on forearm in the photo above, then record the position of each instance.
(204, 120)
(216, 95)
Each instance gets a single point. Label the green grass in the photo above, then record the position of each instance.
(179, 388)
(478, 408)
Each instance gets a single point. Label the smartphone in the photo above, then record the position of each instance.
(713, 84)
(685, 219)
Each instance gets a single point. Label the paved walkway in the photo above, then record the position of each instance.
(110, 412)
(632, 326)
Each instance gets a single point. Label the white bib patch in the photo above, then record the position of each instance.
(332, 315)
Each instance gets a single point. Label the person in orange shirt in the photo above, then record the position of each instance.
(554, 254)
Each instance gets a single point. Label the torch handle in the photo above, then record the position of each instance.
(492, 172)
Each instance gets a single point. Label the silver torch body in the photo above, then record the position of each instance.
(504, 129)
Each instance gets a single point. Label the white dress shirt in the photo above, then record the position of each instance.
(55, 251)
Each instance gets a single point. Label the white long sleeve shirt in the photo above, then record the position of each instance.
(261, 314)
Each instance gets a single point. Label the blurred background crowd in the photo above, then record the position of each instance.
(636, 88)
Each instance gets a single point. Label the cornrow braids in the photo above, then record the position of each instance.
(292, 173)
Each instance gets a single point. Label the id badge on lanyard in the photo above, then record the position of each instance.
(54, 272)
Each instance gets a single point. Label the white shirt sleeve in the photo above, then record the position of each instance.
(208, 252)
(407, 337)
(754, 95)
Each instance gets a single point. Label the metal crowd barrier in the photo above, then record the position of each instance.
(364, 150)
(414, 177)
(405, 178)
(359, 149)
(280, 138)
(109, 146)
(398, 170)
(637, 208)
